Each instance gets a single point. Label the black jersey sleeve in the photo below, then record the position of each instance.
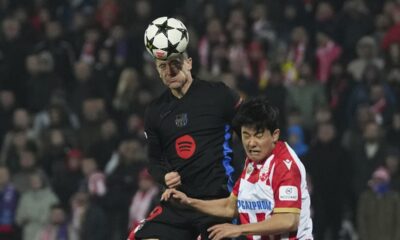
(157, 167)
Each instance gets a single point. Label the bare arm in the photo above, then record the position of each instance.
(224, 207)
(278, 223)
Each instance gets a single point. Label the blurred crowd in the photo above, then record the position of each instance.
(75, 80)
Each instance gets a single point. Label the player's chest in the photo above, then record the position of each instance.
(188, 116)
(255, 192)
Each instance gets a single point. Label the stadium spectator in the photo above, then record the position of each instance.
(88, 220)
(8, 205)
(57, 226)
(122, 182)
(68, 176)
(379, 208)
(324, 161)
(35, 206)
(367, 155)
(145, 199)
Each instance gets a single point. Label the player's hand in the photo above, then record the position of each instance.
(172, 180)
(176, 195)
(221, 231)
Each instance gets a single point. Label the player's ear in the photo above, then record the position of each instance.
(275, 135)
(189, 63)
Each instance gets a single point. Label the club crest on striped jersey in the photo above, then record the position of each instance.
(249, 168)
(264, 173)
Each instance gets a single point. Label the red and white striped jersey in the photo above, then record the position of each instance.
(275, 185)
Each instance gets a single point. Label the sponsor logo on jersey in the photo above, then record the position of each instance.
(288, 193)
(254, 205)
(181, 120)
(185, 146)
(288, 163)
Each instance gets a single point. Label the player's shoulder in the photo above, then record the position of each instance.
(158, 103)
(282, 150)
(160, 99)
(210, 84)
(285, 155)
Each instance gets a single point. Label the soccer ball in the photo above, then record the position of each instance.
(165, 38)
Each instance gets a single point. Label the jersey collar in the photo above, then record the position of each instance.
(278, 147)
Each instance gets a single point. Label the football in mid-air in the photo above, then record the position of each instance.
(166, 37)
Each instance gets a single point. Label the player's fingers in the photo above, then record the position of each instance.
(174, 192)
(175, 182)
(211, 235)
(166, 195)
(217, 237)
(173, 179)
(213, 227)
(170, 183)
(171, 176)
(220, 235)
(214, 234)
(177, 178)
(182, 198)
(177, 197)
(174, 185)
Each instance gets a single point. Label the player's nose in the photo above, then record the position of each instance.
(172, 70)
(251, 142)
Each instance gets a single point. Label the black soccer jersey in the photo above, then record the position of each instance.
(192, 135)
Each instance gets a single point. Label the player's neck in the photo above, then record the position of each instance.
(180, 92)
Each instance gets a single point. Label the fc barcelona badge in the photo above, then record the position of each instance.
(181, 120)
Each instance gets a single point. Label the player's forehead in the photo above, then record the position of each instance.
(159, 61)
(171, 60)
(252, 129)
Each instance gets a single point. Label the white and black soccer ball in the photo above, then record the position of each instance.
(166, 37)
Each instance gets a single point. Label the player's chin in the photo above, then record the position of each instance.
(255, 156)
(175, 85)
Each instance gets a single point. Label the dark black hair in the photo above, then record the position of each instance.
(257, 113)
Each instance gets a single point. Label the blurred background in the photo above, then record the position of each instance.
(75, 80)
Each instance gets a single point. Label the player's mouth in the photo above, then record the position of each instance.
(253, 152)
(171, 81)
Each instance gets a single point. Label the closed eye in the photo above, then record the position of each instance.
(162, 66)
(259, 135)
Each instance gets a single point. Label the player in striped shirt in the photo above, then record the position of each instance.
(271, 196)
